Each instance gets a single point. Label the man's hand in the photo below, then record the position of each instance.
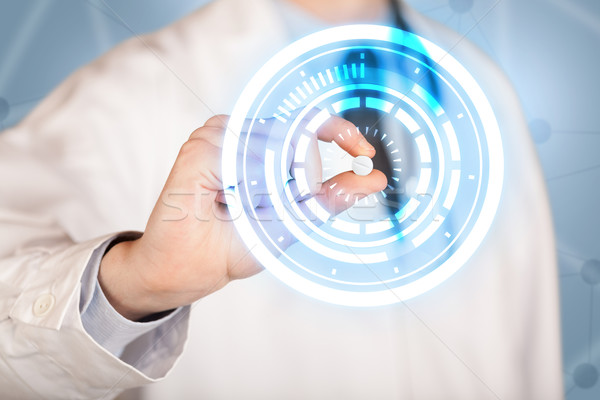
(189, 248)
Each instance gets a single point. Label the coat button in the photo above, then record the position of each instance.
(43, 304)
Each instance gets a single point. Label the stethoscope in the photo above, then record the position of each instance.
(396, 194)
(400, 23)
(432, 85)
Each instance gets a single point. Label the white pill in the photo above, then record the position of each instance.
(362, 165)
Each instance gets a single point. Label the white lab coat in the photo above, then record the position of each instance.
(91, 159)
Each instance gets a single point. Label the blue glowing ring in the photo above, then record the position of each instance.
(454, 135)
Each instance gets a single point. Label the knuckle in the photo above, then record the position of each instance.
(193, 147)
(197, 134)
(342, 122)
(348, 126)
(217, 121)
(208, 134)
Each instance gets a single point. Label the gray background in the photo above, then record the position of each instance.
(550, 49)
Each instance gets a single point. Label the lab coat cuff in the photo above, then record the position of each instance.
(48, 293)
(99, 318)
(50, 299)
(110, 329)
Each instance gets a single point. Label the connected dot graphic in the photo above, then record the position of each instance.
(590, 272)
(540, 130)
(461, 6)
(585, 375)
(560, 137)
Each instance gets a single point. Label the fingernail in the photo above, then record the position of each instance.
(365, 145)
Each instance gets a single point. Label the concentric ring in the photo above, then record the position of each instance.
(443, 145)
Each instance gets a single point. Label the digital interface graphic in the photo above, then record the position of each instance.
(437, 142)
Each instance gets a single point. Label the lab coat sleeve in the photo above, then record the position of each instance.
(46, 352)
(73, 173)
(101, 321)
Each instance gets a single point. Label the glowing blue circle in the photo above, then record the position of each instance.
(443, 141)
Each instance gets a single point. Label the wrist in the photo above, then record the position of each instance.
(124, 284)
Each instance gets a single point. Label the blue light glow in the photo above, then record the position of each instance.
(438, 149)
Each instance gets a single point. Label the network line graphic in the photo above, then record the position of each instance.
(36, 36)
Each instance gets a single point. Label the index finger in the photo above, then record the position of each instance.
(346, 135)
